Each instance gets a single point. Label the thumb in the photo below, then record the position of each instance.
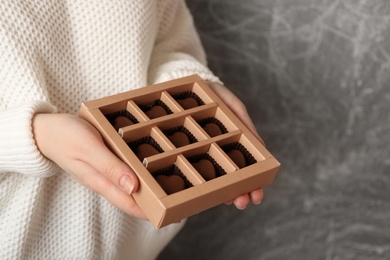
(114, 169)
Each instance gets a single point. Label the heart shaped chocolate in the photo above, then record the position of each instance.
(171, 184)
(212, 129)
(238, 158)
(156, 111)
(122, 121)
(188, 102)
(179, 139)
(206, 169)
(145, 150)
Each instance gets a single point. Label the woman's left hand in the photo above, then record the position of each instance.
(238, 107)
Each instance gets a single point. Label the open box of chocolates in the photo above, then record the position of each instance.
(188, 149)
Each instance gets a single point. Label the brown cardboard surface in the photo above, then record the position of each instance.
(160, 208)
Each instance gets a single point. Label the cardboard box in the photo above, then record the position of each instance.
(231, 175)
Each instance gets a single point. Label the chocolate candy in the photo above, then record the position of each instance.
(156, 111)
(206, 169)
(171, 184)
(238, 158)
(179, 139)
(121, 121)
(212, 129)
(188, 102)
(145, 150)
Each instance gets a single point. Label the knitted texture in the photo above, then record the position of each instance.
(53, 56)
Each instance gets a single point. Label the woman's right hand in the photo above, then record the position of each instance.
(78, 148)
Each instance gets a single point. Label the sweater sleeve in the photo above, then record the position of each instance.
(178, 51)
(23, 93)
(18, 151)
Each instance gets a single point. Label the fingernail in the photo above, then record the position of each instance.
(258, 203)
(241, 208)
(126, 184)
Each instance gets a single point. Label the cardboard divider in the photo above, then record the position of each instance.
(192, 175)
(163, 141)
(113, 107)
(226, 121)
(170, 102)
(216, 152)
(195, 128)
(136, 111)
(146, 98)
(201, 93)
(181, 88)
(136, 132)
(256, 153)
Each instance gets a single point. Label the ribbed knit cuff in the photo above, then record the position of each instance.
(178, 65)
(18, 151)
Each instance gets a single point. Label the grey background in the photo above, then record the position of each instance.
(315, 78)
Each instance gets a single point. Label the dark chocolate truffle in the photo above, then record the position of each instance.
(122, 121)
(156, 111)
(188, 102)
(171, 184)
(179, 139)
(212, 129)
(145, 150)
(238, 158)
(206, 169)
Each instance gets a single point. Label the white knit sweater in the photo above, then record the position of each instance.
(53, 56)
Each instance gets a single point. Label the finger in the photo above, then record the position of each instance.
(240, 110)
(256, 196)
(96, 182)
(236, 106)
(242, 201)
(245, 118)
(229, 202)
(115, 170)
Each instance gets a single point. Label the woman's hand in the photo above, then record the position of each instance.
(78, 148)
(236, 105)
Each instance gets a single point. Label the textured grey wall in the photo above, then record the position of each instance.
(315, 76)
